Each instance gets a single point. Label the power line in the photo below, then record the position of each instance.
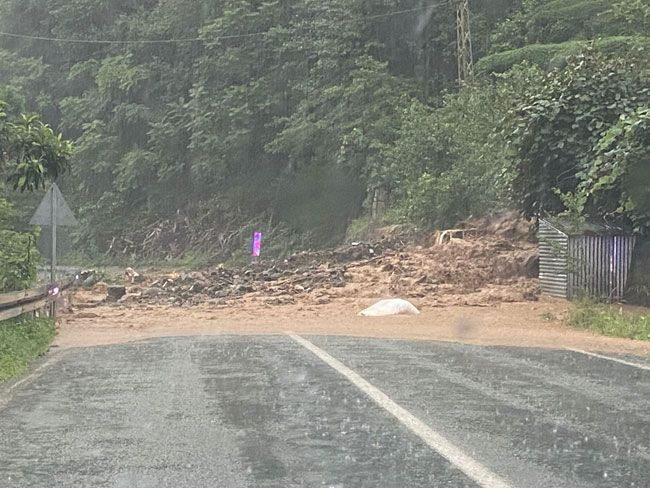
(117, 41)
(200, 39)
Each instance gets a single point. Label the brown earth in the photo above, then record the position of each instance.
(539, 324)
(472, 285)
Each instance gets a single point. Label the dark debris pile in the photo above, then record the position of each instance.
(299, 274)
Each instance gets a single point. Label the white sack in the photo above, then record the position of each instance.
(393, 306)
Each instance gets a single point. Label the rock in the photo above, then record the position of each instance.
(133, 276)
(86, 315)
(197, 287)
(100, 287)
(129, 298)
(150, 292)
(421, 280)
(531, 265)
(90, 281)
(115, 293)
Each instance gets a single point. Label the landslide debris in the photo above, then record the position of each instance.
(482, 262)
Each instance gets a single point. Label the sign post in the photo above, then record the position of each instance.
(53, 211)
(53, 224)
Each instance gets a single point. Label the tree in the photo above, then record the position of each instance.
(30, 154)
(451, 162)
(254, 107)
(616, 185)
(559, 124)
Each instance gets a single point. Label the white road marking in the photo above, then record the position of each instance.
(472, 468)
(627, 363)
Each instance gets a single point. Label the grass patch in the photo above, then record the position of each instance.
(22, 340)
(610, 320)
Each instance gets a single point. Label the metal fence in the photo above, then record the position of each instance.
(599, 266)
(553, 263)
(592, 265)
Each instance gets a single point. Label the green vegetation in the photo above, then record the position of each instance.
(610, 320)
(580, 140)
(557, 21)
(549, 56)
(303, 118)
(22, 340)
(30, 155)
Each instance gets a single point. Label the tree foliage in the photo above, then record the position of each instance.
(273, 93)
(571, 132)
(304, 114)
(616, 185)
(30, 155)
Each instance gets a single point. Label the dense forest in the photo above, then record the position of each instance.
(196, 121)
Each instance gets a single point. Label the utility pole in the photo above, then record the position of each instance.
(464, 43)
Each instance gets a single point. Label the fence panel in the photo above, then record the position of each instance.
(600, 265)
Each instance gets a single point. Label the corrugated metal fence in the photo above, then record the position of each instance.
(575, 265)
(553, 269)
(599, 266)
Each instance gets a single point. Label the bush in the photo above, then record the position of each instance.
(561, 20)
(449, 163)
(18, 254)
(561, 128)
(548, 56)
(22, 340)
(610, 320)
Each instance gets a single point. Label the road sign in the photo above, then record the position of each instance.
(53, 200)
(53, 211)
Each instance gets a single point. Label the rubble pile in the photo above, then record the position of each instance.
(488, 267)
(221, 283)
(277, 281)
(483, 262)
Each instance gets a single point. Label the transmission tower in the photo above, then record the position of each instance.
(464, 42)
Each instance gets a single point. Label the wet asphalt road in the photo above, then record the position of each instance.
(245, 411)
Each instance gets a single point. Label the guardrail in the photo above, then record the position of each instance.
(18, 303)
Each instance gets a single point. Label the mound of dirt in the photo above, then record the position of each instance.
(477, 270)
(507, 225)
(485, 262)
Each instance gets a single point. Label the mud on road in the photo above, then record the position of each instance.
(537, 324)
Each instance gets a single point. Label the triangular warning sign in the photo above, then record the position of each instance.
(62, 213)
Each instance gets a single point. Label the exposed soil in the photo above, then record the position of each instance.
(473, 285)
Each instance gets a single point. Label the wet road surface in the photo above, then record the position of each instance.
(265, 411)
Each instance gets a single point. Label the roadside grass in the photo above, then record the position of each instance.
(22, 340)
(610, 320)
